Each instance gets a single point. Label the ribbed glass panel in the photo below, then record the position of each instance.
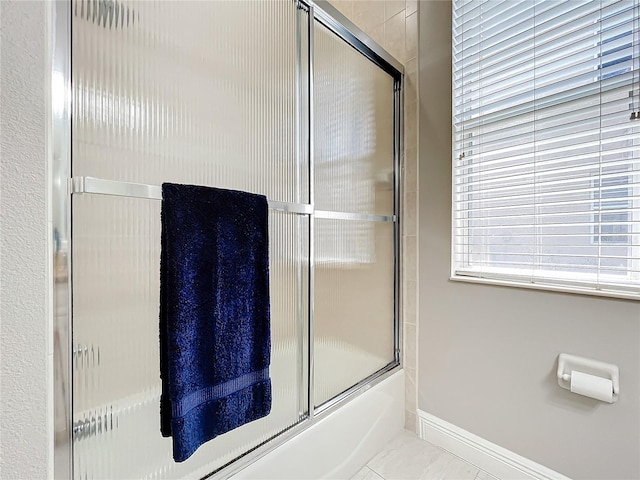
(353, 304)
(353, 129)
(116, 369)
(191, 92)
(208, 93)
(216, 93)
(546, 149)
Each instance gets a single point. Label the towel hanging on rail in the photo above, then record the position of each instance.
(214, 313)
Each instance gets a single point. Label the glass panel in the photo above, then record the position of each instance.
(115, 337)
(353, 129)
(190, 92)
(353, 303)
(184, 92)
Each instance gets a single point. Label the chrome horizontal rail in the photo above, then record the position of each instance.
(362, 217)
(117, 188)
(101, 186)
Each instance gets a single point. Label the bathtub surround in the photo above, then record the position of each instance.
(394, 25)
(488, 353)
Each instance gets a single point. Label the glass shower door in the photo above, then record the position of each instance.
(207, 93)
(217, 93)
(354, 229)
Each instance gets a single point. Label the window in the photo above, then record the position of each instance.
(546, 163)
(613, 214)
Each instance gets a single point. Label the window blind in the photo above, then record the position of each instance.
(546, 143)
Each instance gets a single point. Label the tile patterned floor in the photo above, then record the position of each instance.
(407, 457)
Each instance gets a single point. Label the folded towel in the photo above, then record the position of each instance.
(214, 313)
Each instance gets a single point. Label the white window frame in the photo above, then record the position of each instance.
(562, 282)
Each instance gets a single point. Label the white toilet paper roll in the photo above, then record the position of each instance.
(592, 386)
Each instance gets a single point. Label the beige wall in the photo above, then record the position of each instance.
(394, 25)
(25, 329)
(488, 354)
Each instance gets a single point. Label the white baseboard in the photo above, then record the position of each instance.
(493, 459)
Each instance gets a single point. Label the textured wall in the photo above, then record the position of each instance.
(25, 350)
(488, 354)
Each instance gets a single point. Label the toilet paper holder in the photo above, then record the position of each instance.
(569, 363)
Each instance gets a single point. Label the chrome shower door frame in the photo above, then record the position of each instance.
(63, 185)
(61, 233)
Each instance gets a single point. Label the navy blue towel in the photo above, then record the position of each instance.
(215, 344)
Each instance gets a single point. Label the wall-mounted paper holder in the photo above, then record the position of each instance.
(569, 363)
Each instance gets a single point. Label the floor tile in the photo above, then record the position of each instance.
(450, 467)
(407, 457)
(366, 474)
(482, 475)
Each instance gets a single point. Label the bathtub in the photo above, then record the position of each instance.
(341, 442)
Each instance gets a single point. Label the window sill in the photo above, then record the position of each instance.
(550, 287)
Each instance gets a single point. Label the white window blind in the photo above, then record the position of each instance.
(546, 146)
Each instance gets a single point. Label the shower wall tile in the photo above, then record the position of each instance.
(410, 421)
(368, 13)
(409, 306)
(410, 123)
(411, 80)
(410, 245)
(411, 35)
(344, 6)
(410, 213)
(411, 7)
(392, 8)
(411, 168)
(410, 388)
(394, 36)
(411, 65)
(377, 34)
(410, 216)
(394, 25)
(410, 356)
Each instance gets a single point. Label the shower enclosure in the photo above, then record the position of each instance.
(283, 98)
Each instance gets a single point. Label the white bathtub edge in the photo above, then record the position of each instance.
(340, 444)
